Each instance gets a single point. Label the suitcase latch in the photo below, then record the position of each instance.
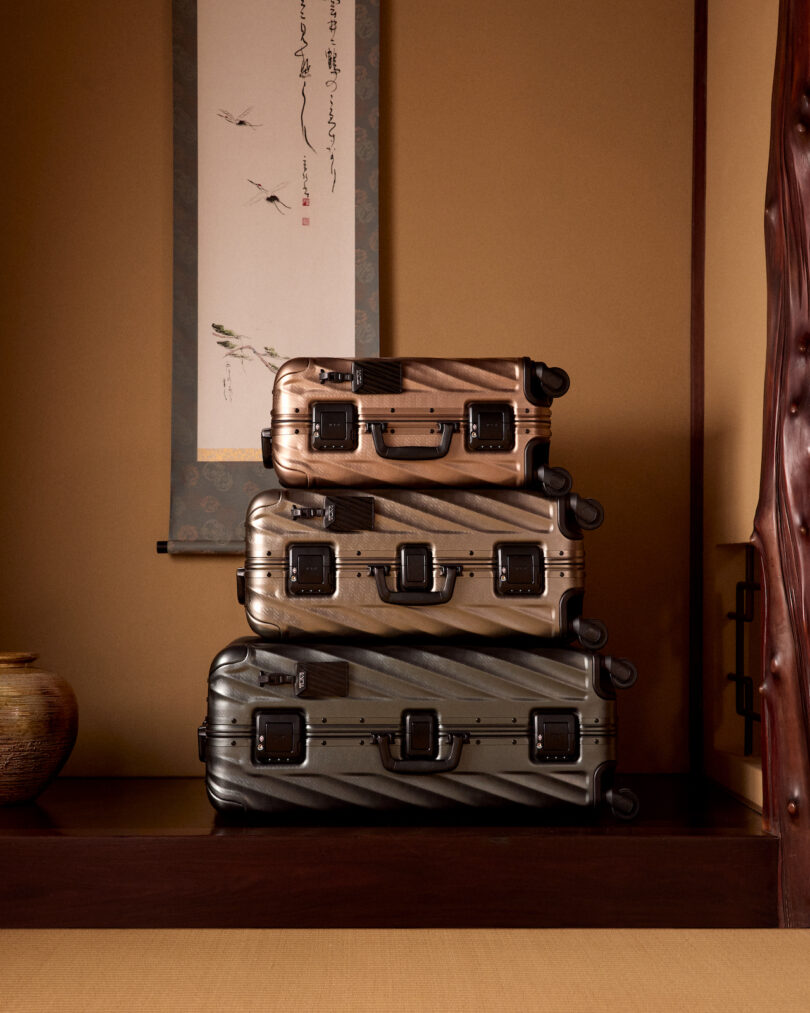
(519, 569)
(310, 569)
(553, 736)
(415, 568)
(490, 426)
(344, 513)
(334, 425)
(278, 737)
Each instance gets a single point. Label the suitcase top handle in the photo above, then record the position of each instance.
(415, 597)
(416, 453)
(436, 766)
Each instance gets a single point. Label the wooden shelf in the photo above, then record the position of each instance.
(114, 853)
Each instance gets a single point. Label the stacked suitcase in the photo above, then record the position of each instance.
(415, 588)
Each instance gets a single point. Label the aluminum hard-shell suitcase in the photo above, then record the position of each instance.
(414, 422)
(384, 725)
(391, 562)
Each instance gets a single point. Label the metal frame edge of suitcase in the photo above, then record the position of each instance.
(301, 726)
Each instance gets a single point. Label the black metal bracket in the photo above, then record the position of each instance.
(742, 615)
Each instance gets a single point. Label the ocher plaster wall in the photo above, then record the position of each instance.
(535, 181)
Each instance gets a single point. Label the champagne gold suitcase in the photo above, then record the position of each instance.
(329, 725)
(414, 422)
(399, 562)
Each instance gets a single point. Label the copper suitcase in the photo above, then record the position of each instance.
(399, 562)
(414, 422)
(380, 725)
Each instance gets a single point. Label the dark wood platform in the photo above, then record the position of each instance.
(144, 853)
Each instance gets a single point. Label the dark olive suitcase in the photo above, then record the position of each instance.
(327, 725)
(400, 562)
(415, 423)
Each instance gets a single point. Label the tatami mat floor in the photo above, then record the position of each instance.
(404, 970)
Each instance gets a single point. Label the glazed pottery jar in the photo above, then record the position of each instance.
(38, 722)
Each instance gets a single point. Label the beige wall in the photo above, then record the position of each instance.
(741, 50)
(535, 180)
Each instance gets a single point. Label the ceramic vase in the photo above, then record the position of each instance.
(38, 723)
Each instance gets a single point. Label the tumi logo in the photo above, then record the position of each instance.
(358, 375)
(328, 514)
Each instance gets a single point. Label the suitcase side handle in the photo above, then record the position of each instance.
(411, 453)
(378, 572)
(437, 766)
(202, 740)
(267, 447)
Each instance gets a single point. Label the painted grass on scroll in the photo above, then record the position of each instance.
(239, 346)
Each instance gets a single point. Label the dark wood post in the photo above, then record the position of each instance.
(783, 514)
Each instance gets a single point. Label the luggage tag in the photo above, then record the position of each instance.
(369, 376)
(343, 513)
(312, 680)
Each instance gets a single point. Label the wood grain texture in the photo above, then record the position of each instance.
(783, 513)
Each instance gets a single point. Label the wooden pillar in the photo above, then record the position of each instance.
(782, 526)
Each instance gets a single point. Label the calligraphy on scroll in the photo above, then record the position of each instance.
(276, 204)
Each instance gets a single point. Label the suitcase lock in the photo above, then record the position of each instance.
(553, 736)
(279, 736)
(519, 569)
(310, 569)
(334, 426)
(490, 426)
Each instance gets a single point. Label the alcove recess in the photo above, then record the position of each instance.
(135, 852)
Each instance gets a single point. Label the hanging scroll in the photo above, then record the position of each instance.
(275, 231)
